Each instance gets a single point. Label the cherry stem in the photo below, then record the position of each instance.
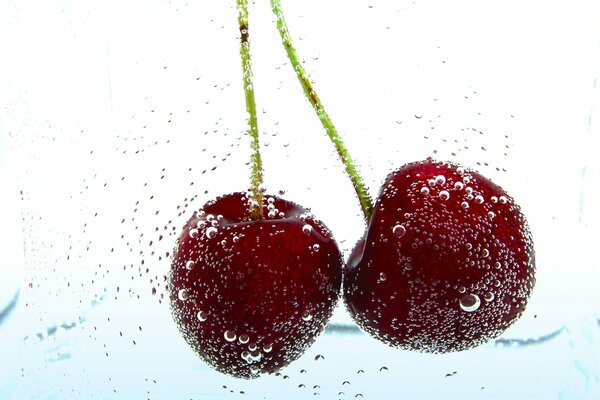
(361, 190)
(256, 178)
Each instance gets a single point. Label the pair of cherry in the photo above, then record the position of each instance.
(446, 262)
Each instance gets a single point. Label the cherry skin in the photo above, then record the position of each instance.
(446, 263)
(250, 296)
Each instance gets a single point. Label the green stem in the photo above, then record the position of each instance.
(361, 190)
(256, 179)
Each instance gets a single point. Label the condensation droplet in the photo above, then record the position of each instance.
(444, 195)
(252, 347)
(494, 199)
(230, 336)
(399, 231)
(307, 229)
(431, 182)
(202, 316)
(470, 302)
(211, 232)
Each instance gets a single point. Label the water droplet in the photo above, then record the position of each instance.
(246, 356)
(425, 190)
(202, 316)
(459, 186)
(201, 224)
(182, 294)
(399, 231)
(272, 214)
(440, 179)
(210, 217)
(211, 232)
(470, 302)
(193, 233)
(479, 199)
(489, 296)
(244, 339)
(306, 316)
(190, 264)
(230, 336)
(444, 195)
(307, 229)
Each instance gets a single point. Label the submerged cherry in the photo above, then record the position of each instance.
(250, 295)
(446, 264)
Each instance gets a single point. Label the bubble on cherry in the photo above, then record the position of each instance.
(444, 195)
(399, 231)
(244, 339)
(489, 296)
(479, 199)
(190, 264)
(202, 316)
(267, 348)
(306, 316)
(307, 229)
(470, 302)
(315, 247)
(230, 336)
(182, 294)
(211, 232)
(425, 190)
(440, 180)
(459, 186)
(193, 233)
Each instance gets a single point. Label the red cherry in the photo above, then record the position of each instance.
(446, 264)
(250, 296)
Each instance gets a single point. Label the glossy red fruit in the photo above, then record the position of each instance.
(250, 296)
(446, 264)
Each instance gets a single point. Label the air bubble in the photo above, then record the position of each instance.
(479, 199)
(503, 199)
(459, 186)
(431, 182)
(252, 347)
(230, 336)
(444, 195)
(236, 239)
(440, 179)
(382, 277)
(306, 316)
(202, 316)
(267, 348)
(190, 264)
(489, 296)
(464, 205)
(211, 232)
(193, 233)
(201, 224)
(470, 302)
(182, 294)
(307, 229)
(485, 253)
(462, 289)
(316, 247)
(399, 231)
(244, 339)
(425, 190)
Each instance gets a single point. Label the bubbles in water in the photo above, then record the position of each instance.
(489, 296)
(202, 316)
(382, 277)
(211, 232)
(267, 348)
(182, 294)
(485, 253)
(459, 186)
(503, 200)
(316, 247)
(444, 195)
(479, 199)
(230, 336)
(244, 339)
(470, 302)
(307, 229)
(464, 205)
(190, 264)
(193, 233)
(440, 179)
(425, 190)
(399, 231)
(306, 316)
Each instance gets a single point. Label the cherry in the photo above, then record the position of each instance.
(446, 263)
(251, 295)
